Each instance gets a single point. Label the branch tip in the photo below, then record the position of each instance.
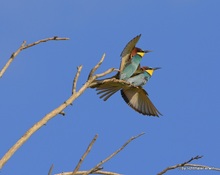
(79, 68)
(85, 154)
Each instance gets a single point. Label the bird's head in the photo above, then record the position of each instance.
(139, 51)
(150, 70)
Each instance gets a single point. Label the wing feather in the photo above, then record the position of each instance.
(126, 53)
(137, 98)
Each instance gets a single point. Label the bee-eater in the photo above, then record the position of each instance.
(131, 91)
(130, 61)
(128, 52)
(133, 64)
(141, 76)
(137, 97)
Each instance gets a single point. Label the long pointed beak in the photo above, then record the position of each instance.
(156, 68)
(147, 51)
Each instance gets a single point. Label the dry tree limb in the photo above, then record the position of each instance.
(24, 46)
(51, 115)
(95, 68)
(79, 68)
(96, 169)
(84, 155)
(82, 172)
(98, 166)
(179, 165)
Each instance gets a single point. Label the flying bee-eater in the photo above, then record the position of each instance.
(131, 91)
(131, 66)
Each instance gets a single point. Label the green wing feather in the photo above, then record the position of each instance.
(126, 53)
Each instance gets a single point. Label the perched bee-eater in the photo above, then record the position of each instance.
(137, 98)
(131, 91)
(141, 76)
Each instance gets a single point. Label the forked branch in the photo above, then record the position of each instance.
(179, 165)
(56, 111)
(97, 168)
(84, 155)
(25, 46)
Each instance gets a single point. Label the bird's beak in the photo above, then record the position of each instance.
(156, 68)
(147, 51)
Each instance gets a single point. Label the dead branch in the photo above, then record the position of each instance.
(98, 166)
(79, 68)
(96, 67)
(82, 172)
(84, 155)
(179, 165)
(52, 114)
(24, 46)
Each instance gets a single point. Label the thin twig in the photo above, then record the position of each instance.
(24, 46)
(82, 172)
(179, 165)
(48, 117)
(96, 67)
(79, 68)
(84, 155)
(55, 38)
(104, 73)
(50, 170)
(112, 155)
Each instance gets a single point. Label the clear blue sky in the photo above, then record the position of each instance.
(185, 38)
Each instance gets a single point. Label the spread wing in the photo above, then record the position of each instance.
(137, 98)
(125, 54)
(107, 88)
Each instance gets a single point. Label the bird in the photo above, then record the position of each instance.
(130, 62)
(132, 65)
(136, 97)
(141, 76)
(129, 79)
(130, 59)
(132, 91)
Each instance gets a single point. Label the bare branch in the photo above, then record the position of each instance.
(179, 165)
(84, 155)
(112, 155)
(96, 67)
(82, 172)
(48, 117)
(24, 46)
(56, 38)
(105, 73)
(79, 68)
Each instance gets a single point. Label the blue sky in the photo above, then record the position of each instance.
(185, 39)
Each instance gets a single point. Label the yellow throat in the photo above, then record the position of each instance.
(150, 71)
(141, 53)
